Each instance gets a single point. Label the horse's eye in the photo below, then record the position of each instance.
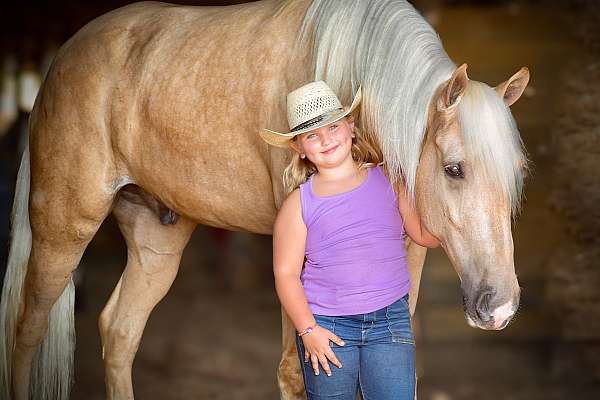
(454, 171)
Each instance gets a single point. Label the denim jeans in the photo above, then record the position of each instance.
(378, 356)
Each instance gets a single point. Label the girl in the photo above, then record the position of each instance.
(344, 224)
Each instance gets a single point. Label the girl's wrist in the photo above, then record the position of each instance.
(307, 330)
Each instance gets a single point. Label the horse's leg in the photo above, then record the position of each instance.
(153, 255)
(62, 224)
(416, 257)
(289, 375)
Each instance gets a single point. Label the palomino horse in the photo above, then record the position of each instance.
(152, 112)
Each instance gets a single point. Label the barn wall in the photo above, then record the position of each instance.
(573, 289)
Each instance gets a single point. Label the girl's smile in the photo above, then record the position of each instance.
(331, 150)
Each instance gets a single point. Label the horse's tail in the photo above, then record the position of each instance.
(14, 277)
(52, 369)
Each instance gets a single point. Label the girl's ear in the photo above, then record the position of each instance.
(294, 146)
(350, 121)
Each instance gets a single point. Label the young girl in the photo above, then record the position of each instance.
(339, 256)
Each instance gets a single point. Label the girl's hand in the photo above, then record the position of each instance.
(317, 349)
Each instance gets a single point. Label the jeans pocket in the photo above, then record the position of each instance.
(326, 322)
(404, 301)
(399, 322)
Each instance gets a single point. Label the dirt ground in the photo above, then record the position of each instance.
(215, 337)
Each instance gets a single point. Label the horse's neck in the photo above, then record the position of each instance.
(297, 71)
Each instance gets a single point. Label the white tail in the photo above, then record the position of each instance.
(52, 368)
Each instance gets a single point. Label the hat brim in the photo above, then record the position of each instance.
(280, 139)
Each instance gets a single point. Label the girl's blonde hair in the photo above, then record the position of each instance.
(364, 152)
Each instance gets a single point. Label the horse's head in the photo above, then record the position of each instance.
(469, 183)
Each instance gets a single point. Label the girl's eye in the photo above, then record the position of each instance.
(311, 136)
(333, 127)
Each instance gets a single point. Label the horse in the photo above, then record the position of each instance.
(151, 112)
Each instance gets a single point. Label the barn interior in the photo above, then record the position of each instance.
(217, 333)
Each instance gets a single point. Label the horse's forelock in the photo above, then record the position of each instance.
(492, 139)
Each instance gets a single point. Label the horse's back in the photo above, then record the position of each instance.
(171, 98)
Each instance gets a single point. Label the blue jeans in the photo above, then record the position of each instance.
(378, 356)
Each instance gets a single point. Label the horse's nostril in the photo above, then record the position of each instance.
(483, 306)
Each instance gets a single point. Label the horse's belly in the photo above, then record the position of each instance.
(213, 188)
(230, 202)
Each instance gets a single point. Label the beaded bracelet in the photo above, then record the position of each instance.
(307, 330)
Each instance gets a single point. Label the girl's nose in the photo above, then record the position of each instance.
(325, 138)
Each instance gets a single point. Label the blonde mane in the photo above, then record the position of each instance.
(493, 140)
(353, 44)
(387, 47)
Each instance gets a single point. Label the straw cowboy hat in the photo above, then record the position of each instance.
(310, 107)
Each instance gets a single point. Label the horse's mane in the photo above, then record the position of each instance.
(386, 47)
(353, 42)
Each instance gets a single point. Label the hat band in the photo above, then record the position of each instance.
(314, 121)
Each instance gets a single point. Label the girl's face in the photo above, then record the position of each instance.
(327, 146)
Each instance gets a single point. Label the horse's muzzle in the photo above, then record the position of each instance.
(487, 311)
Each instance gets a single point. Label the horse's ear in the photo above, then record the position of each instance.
(455, 88)
(513, 88)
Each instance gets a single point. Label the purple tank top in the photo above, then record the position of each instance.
(355, 255)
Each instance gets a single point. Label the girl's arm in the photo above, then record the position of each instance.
(289, 240)
(412, 222)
